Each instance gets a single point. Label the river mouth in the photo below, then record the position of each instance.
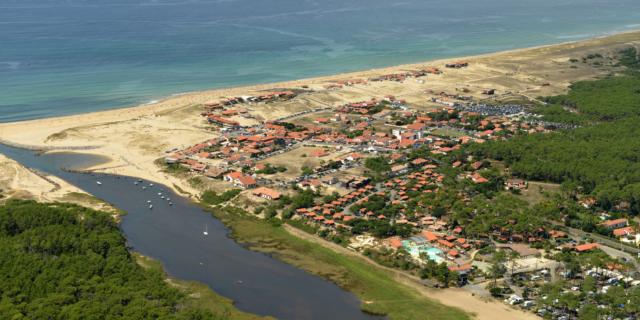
(171, 229)
(74, 161)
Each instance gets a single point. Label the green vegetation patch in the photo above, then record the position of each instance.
(200, 295)
(380, 293)
(601, 158)
(61, 261)
(603, 100)
(211, 197)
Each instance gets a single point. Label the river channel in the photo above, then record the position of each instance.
(174, 235)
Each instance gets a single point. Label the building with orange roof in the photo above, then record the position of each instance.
(586, 247)
(232, 176)
(267, 193)
(625, 231)
(461, 268)
(394, 242)
(615, 223)
(445, 243)
(430, 236)
(246, 182)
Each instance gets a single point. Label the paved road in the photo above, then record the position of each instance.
(610, 246)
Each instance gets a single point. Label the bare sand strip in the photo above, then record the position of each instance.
(134, 137)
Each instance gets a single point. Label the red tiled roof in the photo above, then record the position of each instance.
(394, 242)
(586, 247)
(247, 180)
(458, 268)
(446, 243)
(430, 236)
(273, 194)
(623, 231)
(234, 175)
(614, 222)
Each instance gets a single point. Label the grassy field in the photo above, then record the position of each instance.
(447, 133)
(200, 295)
(537, 190)
(297, 158)
(379, 292)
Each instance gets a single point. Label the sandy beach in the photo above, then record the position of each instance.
(18, 182)
(134, 137)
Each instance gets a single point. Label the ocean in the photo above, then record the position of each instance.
(60, 57)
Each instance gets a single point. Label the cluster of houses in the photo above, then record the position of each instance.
(333, 214)
(267, 97)
(450, 247)
(362, 107)
(621, 230)
(399, 77)
(417, 177)
(241, 149)
(344, 83)
(220, 112)
(416, 181)
(457, 64)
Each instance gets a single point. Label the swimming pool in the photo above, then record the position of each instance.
(415, 250)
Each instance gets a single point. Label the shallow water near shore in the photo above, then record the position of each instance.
(174, 236)
(60, 57)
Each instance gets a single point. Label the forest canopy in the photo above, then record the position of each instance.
(61, 261)
(601, 158)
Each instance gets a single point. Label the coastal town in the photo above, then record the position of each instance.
(404, 168)
(382, 176)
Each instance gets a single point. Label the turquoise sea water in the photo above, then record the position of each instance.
(61, 57)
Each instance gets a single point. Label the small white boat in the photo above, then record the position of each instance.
(144, 188)
(170, 203)
(150, 184)
(99, 183)
(206, 231)
(150, 206)
(159, 193)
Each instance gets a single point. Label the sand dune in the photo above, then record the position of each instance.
(134, 137)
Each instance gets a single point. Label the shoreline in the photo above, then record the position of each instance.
(154, 102)
(141, 167)
(253, 86)
(134, 137)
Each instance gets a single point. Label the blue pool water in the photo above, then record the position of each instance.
(415, 250)
(61, 57)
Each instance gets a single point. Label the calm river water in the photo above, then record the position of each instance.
(174, 235)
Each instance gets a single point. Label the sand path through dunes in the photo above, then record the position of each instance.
(133, 138)
(19, 182)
